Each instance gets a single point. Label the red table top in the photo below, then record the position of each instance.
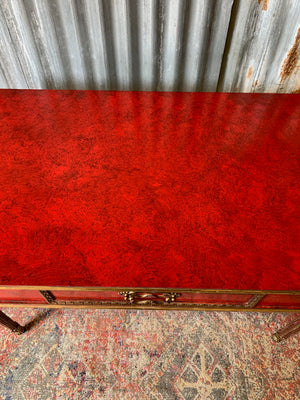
(143, 189)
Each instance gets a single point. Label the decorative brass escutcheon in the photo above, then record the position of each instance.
(148, 298)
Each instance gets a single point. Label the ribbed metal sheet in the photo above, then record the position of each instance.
(263, 53)
(186, 45)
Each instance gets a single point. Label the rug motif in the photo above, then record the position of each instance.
(156, 355)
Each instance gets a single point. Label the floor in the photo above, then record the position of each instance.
(153, 355)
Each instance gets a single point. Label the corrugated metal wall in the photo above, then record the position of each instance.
(186, 45)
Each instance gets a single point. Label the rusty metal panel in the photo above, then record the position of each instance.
(184, 45)
(263, 47)
(113, 44)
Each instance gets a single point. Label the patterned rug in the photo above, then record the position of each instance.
(153, 355)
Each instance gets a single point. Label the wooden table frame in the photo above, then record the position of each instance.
(149, 299)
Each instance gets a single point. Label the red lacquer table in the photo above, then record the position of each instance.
(149, 200)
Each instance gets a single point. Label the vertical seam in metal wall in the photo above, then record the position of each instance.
(231, 25)
(112, 83)
(161, 14)
(200, 80)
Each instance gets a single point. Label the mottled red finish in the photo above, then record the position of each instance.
(280, 301)
(21, 296)
(141, 189)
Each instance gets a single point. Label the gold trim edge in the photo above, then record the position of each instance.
(148, 289)
(172, 307)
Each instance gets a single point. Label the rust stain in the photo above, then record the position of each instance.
(290, 63)
(296, 91)
(255, 83)
(250, 70)
(265, 4)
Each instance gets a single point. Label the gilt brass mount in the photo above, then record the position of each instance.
(149, 298)
(129, 296)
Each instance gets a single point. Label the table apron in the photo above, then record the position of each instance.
(144, 298)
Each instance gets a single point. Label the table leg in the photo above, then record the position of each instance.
(288, 331)
(11, 324)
